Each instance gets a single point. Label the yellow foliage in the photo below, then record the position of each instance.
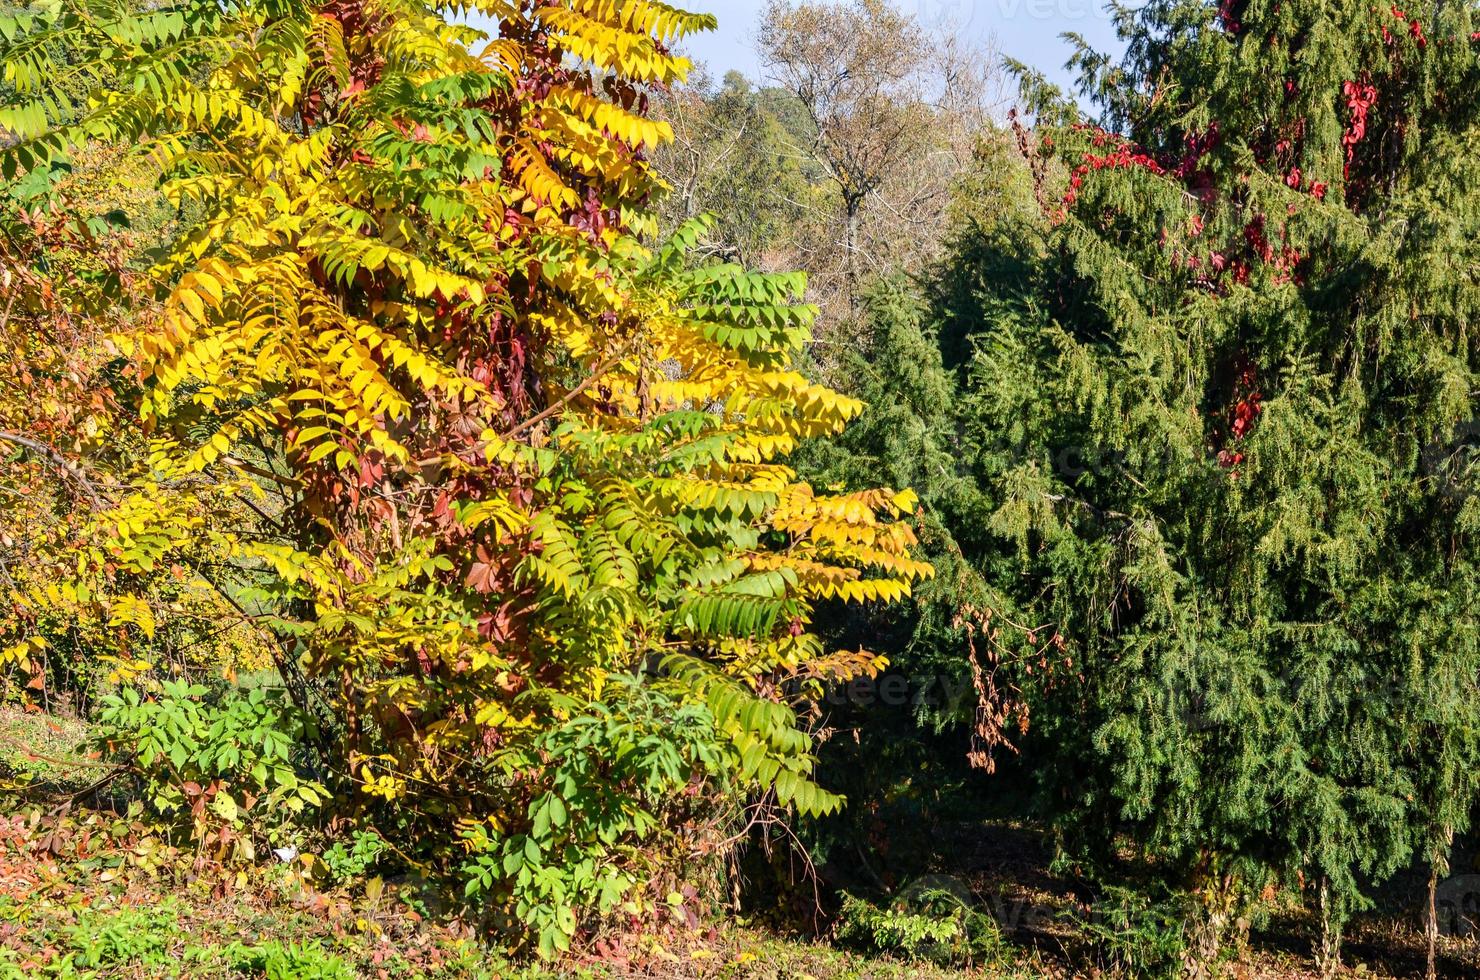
(501, 447)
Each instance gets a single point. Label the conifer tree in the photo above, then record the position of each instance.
(1250, 517)
(1220, 418)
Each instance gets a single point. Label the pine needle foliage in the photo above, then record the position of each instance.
(1253, 515)
(1212, 423)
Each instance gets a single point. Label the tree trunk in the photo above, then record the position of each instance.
(1438, 865)
(1328, 946)
(850, 246)
(1431, 920)
(1217, 917)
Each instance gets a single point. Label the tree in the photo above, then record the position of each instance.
(522, 460)
(1246, 519)
(733, 156)
(893, 110)
(957, 650)
(1217, 418)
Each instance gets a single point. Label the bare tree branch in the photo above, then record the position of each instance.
(61, 462)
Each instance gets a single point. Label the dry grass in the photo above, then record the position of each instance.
(43, 751)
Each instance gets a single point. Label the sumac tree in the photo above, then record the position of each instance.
(503, 450)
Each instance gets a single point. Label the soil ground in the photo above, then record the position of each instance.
(90, 893)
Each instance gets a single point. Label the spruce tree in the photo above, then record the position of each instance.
(1219, 419)
(1251, 517)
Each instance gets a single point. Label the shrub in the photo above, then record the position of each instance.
(347, 861)
(290, 961)
(124, 937)
(1137, 935)
(212, 764)
(932, 923)
(608, 788)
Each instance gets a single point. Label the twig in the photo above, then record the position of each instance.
(58, 460)
(40, 757)
(574, 393)
(119, 769)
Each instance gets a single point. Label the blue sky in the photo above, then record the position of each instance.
(1027, 30)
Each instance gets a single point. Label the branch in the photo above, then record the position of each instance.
(574, 393)
(278, 478)
(58, 460)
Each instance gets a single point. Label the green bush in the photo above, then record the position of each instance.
(113, 939)
(615, 779)
(1134, 934)
(933, 924)
(290, 961)
(227, 761)
(347, 861)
